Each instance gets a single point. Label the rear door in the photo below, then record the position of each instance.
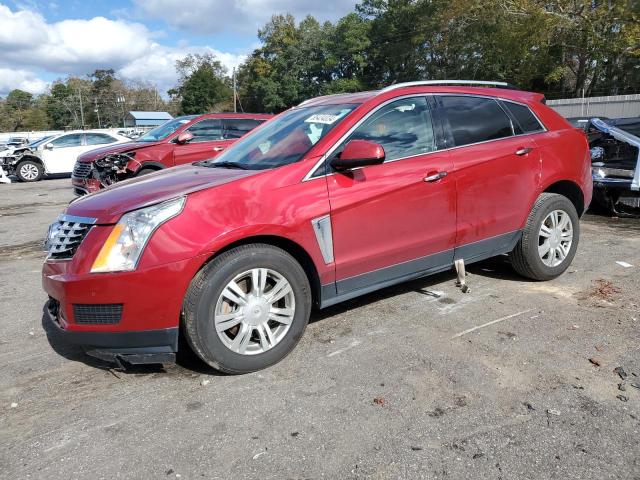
(496, 170)
(396, 219)
(62, 157)
(208, 141)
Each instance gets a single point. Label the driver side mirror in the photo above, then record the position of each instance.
(49, 146)
(184, 137)
(359, 153)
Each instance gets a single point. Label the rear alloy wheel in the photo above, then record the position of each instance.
(549, 240)
(247, 309)
(29, 171)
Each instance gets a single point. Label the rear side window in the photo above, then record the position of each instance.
(474, 119)
(239, 127)
(526, 120)
(206, 130)
(404, 128)
(98, 138)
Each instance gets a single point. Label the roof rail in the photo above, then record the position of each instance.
(449, 82)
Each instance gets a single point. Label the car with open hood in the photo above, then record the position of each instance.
(185, 139)
(615, 156)
(337, 197)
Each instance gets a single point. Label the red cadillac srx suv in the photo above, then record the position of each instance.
(176, 142)
(337, 197)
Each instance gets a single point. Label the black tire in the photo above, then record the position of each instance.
(145, 171)
(25, 169)
(205, 289)
(525, 258)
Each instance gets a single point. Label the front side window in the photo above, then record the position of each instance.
(166, 129)
(73, 140)
(239, 127)
(285, 139)
(207, 130)
(98, 138)
(474, 119)
(404, 128)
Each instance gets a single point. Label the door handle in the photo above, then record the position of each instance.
(523, 151)
(435, 177)
(218, 149)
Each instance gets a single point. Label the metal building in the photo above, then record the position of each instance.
(615, 106)
(146, 119)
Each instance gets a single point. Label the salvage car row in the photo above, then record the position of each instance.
(98, 159)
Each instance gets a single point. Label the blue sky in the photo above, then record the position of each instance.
(41, 41)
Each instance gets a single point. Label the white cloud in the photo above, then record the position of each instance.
(246, 16)
(22, 79)
(158, 64)
(29, 43)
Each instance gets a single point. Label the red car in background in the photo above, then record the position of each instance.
(182, 140)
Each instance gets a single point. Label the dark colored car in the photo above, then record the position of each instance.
(182, 140)
(615, 156)
(337, 197)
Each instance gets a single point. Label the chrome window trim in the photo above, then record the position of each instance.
(318, 164)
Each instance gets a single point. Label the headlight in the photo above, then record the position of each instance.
(124, 246)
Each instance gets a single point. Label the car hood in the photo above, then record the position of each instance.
(93, 155)
(108, 205)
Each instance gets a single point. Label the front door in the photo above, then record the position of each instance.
(396, 219)
(207, 142)
(62, 153)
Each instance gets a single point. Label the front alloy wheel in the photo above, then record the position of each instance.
(29, 171)
(254, 311)
(247, 308)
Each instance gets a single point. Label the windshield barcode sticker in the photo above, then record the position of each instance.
(323, 118)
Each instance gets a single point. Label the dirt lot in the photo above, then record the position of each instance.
(381, 387)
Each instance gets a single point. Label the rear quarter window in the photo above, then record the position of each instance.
(239, 127)
(526, 120)
(475, 119)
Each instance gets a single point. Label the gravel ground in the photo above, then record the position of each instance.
(380, 387)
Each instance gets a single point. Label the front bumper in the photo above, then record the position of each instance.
(83, 186)
(138, 347)
(144, 328)
(613, 183)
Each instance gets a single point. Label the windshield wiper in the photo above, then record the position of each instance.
(227, 164)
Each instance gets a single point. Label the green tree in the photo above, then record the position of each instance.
(203, 85)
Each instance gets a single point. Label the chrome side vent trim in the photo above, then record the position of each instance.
(324, 236)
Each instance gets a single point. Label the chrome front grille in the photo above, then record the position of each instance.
(82, 170)
(65, 236)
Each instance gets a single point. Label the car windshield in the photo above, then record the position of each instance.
(166, 129)
(283, 140)
(39, 142)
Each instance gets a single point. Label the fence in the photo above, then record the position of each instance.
(615, 106)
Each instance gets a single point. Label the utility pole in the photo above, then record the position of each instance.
(121, 100)
(81, 109)
(235, 110)
(95, 102)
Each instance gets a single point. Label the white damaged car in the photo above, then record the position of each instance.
(56, 154)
